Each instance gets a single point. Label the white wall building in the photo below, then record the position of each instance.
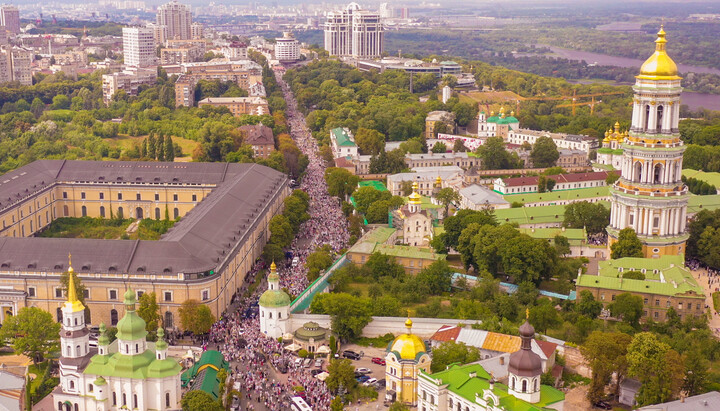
(178, 19)
(139, 46)
(287, 48)
(569, 141)
(10, 18)
(274, 307)
(354, 32)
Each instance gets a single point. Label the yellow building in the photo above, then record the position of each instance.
(224, 212)
(406, 357)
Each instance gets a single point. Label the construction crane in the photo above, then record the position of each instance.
(574, 98)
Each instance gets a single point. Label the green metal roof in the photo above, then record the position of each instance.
(210, 359)
(131, 327)
(561, 195)
(208, 381)
(342, 137)
(375, 240)
(460, 382)
(378, 185)
(710, 178)
(698, 203)
(665, 275)
(127, 366)
(574, 235)
(274, 298)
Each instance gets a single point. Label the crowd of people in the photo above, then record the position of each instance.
(237, 335)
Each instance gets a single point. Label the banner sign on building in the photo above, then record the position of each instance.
(472, 143)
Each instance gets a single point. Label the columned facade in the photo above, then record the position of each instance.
(650, 196)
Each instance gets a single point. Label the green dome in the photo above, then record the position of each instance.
(103, 339)
(131, 327)
(163, 368)
(100, 381)
(129, 297)
(161, 344)
(274, 298)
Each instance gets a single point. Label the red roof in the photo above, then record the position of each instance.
(446, 333)
(343, 162)
(547, 347)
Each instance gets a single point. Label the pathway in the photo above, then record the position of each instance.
(701, 276)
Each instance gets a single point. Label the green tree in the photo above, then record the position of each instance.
(696, 372)
(370, 142)
(151, 147)
(437, 277)
(584, 214)
(341, 183)
(398, 406)
(495, 157)
(342, 373)
(317, 261)
(378, 211)
(60, 102)
(451, 352)
(627, 245)
(295, 211)
(605, 352)
(37, 107)
(587, 305)
(459, 146)
(365, 196)
(562, 245)
(658, 367)
(627, 306)
(447, 196)
(382, 265)
(544, 153)
(386, 306)
(348, 314)
(281, 231)
(160, 148)
(199, 400)
(169, 149)
(544, 316)
(195, 317)
(149, 311)
(439, 148)
(32, 332)
(633, 275)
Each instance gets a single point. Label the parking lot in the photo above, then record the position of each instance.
(377, 371)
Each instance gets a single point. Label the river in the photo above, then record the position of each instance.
(692, 99)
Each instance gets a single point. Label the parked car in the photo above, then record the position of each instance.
(295, 261)
(364, 370)
(319, 362)
(235, 403)
(378, 361)
(603, 405)
(380, 384)
(361, 379)
(308, 361)
(370, 382)
(351, 355)
(315, 372)
(298, 361)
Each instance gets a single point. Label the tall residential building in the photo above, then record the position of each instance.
(160, 33)
(177, 18)
(197, 31)
(287, 48)
(10, 18)
(15, 65)
(650, 196)
(139, 46)
(354, 32)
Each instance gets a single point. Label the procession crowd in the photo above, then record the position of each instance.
(237, 335)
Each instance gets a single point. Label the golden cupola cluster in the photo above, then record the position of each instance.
(614, 134)
(659, 66)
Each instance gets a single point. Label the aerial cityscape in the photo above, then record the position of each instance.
(461, 206)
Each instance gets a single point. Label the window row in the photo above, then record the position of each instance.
(138, 197)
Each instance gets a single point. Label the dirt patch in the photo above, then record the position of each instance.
(576, 399)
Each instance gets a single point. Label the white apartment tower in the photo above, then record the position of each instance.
(354, 32)
(177, 18)
(197, 31)
(287, 48)
(10, 18)
(139, 46)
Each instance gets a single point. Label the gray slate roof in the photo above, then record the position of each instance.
(708, 401)
(198, 243)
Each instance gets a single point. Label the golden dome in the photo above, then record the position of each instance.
(408, 346)
(659, 66)
(408, 323)
(414, 198)
(72, 301)
(438, 181)
(273, 267)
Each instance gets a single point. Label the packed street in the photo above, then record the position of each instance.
(255, 358)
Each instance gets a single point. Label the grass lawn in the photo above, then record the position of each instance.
(105, 228)
(126, 142)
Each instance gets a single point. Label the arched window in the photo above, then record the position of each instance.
(168, 319)
(657, 174)
(176, 213)
(647, 117)
(72, 383)
(135, 403)
(637, 172)
(59, 406)
(120, 212)
(124, 399)
(102, 211)
(512, 383)
(167, 399)
(113, 317)
(77, 350)
(66, 211)
(660, 113)
(535, 385)
(524, 385)
(114, 398)
(83, 210)
(157, 213)
(90, 388)
(59, 315)
(139, 213)
(76, 407)
(76, 321)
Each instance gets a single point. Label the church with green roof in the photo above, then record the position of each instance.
(127, 373)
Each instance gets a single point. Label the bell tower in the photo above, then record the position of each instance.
(650, 196)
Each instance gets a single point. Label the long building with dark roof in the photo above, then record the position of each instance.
(224, 212)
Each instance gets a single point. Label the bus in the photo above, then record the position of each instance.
(298, 404)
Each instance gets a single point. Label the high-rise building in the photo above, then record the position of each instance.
(177, 18)
(159, 33)
(650, 196)
(139, 46)
(287, 48)
(15, 65)
(354, 32)
(10, 18)
(197, 31)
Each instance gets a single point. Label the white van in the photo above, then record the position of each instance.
(295, 261)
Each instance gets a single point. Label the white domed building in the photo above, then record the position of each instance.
(274, 307)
